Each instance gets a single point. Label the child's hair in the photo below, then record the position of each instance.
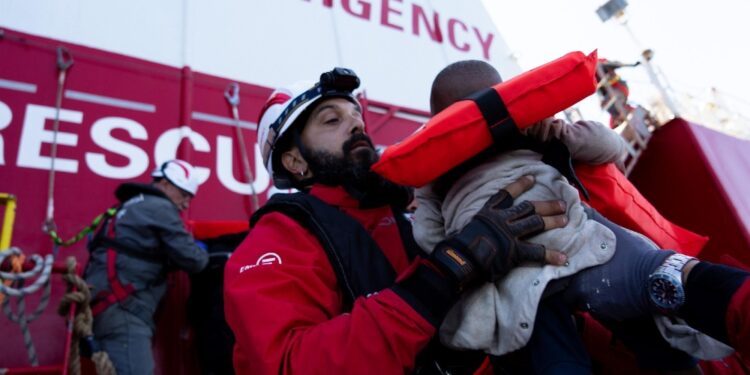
(459, 80)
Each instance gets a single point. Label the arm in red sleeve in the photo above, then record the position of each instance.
(738, 319)
(283, 304)
(716, 303)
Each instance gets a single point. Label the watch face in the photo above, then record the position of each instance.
(666, 292)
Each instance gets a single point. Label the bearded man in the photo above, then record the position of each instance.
(329, 279)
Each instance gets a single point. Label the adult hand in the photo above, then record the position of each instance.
(492, 243)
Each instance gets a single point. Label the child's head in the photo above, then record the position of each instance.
(460, 79)
(455, 82)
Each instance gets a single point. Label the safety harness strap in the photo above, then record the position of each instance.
(118, 291)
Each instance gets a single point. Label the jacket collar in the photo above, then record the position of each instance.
(381, 193)
(334, 195)
(130, 189)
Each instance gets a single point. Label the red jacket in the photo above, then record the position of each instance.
(738, 324)
(284, 305)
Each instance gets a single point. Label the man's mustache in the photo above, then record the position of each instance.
(355, 140)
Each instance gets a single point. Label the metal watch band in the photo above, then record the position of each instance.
(674, 264)
(665, 289)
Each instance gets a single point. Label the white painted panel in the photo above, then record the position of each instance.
(274, 42)
(145, 29)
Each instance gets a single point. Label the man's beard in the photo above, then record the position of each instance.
(353, 168)
(352, 171)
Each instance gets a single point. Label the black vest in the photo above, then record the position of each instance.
(361, 267)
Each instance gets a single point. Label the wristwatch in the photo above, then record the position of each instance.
(665, 284)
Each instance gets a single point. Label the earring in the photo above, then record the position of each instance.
(302, 173)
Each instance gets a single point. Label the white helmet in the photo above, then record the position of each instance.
(180, 173)
(287, 107)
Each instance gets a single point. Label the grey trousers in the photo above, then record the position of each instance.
(617, 290)
(616, 294)
(126, 339)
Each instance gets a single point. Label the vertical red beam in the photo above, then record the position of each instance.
(186, 107)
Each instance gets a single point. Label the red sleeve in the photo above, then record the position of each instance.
(283, 305)
(738, 320)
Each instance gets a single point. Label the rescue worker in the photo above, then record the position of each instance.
(330, 280)
(619, 109)
(130, 258)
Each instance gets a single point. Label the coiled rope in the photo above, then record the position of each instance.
(42, 270)
(78, 293)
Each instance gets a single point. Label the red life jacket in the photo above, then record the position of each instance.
(494, 115)
(615, 197)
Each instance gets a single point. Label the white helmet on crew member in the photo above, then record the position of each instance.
(179, 173)
(289, 107)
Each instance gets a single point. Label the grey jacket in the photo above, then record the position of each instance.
(150, 222)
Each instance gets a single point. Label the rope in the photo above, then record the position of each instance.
(42, 268)
(16, 265)
(78, 293)
(64, 62)
(232, 95)
(83, 232)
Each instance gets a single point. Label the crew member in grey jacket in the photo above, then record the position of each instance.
(130, 258)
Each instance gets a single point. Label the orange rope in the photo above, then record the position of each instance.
(16, 263)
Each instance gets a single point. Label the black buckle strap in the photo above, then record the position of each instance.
(506, 136)
(499, 122)
(556, 154)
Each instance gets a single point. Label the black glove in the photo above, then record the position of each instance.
(486, 249)
(489, 246)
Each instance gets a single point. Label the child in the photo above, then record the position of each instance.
(499, 318)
